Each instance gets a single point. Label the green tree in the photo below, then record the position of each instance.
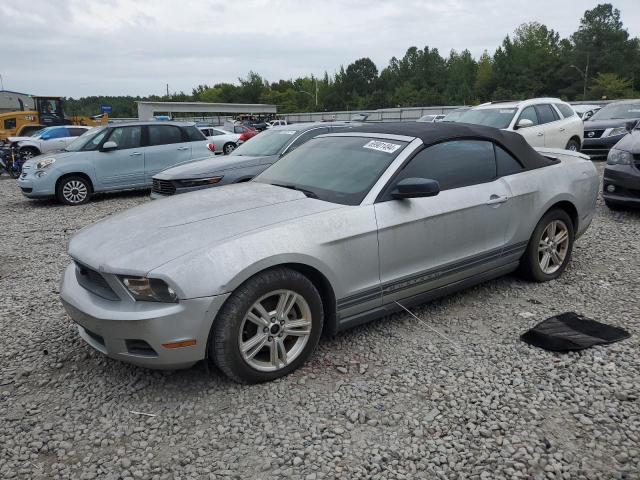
(611, 86)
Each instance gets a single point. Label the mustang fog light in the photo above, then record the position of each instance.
(149, 289)
(611, 188)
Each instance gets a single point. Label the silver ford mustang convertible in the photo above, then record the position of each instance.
(330, 236)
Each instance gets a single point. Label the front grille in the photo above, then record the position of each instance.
(596, 133)
(163, 187)
(94, 282)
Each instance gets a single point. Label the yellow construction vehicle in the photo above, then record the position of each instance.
(48, 112)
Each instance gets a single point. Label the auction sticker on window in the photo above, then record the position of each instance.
(382, 146)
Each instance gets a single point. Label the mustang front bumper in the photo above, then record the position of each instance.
(138, 332)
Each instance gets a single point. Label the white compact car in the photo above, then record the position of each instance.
(48, 139)
(543, 122)
(224, 141)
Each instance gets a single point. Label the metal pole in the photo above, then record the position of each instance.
(316, 93)
(586, 74)
(1, 83)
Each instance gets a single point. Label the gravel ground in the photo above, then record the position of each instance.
(390, 399)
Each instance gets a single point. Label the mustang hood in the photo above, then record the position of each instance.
(211, 166)
(143, 238)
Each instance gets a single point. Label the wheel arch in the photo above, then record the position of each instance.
(75, 174)
(310, 269)
(569, 208)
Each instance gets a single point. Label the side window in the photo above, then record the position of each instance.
(164, 134)
(530, 114)
(76, 132)
(565, 110)
(454, 164)
(237, 129)
(306, 136)
(216, 133)
(194, 134)
(506, 164)
(95, 141)
(10, 123)
(58, 133)
(546, 114)
(126, 137)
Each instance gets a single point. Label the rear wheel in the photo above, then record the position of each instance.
(74, 190)
(573, 145)
(268, 327)
(228, 148)
(550, 247)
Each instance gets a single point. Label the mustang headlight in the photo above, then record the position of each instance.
(47, 162)
(619, 157)
(146, 289)
(618, 131)
(197, 182)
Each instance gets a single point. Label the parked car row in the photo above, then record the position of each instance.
(354, 222)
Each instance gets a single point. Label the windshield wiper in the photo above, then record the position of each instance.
(308, 193)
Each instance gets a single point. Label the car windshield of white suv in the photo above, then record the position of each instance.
(490, 117)
(620, 111)
(87, 141)
(267, 143)
(37, 133)
(335, 169)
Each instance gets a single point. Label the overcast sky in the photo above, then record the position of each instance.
(126, 47)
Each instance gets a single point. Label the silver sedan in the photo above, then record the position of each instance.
(343, 230)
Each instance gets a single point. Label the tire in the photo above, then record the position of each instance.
(74, 190)
(29, 152)
(573, 145)
(233, 326)
(532, 263)
(228, 148)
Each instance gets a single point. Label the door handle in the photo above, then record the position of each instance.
(135, 154)
(183, 148)
(496, 199)
(540, 134)
(562, 129)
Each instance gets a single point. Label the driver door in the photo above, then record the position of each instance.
(425, 243)
(123, 167)
(534, 135)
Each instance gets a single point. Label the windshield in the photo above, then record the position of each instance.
(453, 116)
(37, 133)
(267, 143)
(335, 169)
(490, 117)
(426, 118)
(87, 141)
(618, 111)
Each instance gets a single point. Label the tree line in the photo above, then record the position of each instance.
(599, 60)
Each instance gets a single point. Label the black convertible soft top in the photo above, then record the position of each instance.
(432, 133)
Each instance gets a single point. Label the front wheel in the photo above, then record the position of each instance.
(74, 190)
(573, 145)
(550, 247)
(268, 327)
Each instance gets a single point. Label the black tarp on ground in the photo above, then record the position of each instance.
(570, 331)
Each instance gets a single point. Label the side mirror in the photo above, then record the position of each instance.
(109, 146)
(415, 188)
(631, 125)
(524, 123)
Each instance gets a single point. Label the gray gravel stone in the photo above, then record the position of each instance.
(406, 404)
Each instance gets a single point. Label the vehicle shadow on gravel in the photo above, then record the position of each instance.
(98, 199)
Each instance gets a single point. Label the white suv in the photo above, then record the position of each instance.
(543, 122)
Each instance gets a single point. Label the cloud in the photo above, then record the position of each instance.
(117, 47)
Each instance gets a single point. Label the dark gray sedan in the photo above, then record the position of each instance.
(621, 184)
(244, 163)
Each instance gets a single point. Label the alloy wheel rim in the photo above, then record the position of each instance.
(553, 247)
(74, 191)
(573, 147)
(275, 330)
(28, 155)
(228, 149)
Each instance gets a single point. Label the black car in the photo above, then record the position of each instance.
(608, 125)
(621, 184)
